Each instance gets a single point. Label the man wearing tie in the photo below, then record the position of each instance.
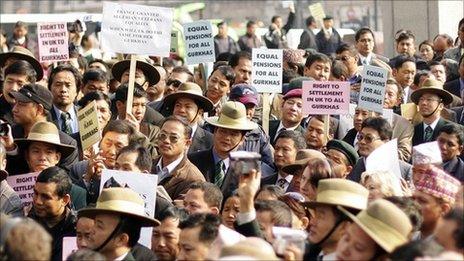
(403, 72)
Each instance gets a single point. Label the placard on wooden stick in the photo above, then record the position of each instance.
(89, 127)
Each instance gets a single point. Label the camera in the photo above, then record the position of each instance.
(4, 129)
(242, 162)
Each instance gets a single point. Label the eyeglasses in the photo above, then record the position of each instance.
(172, 138)
(429, 100)
(175, 83)
(367, 138)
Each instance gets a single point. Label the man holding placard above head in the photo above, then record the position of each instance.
(318, 67)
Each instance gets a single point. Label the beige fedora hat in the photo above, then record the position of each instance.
(151, 73)
(232, 116)
(192, 91)
(340, 192)
(21, 53)
(121, 201)
(46, 132)
(435, 87)
(384, 222)
(302, 158)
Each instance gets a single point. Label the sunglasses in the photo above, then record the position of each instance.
(172, 138)
(175, 83)
(367, 138)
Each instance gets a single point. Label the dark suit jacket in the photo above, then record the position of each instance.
(202, 140)
(56, 118)
(418, 137)
(307, 40)
(6, 111)
(455, 168)
(360, 167)
(453, 87)
(273, 125)
(76, 174)
(328, 47)
(459, 114)
(269, 180)
(350, 136)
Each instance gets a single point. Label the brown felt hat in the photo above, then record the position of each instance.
(22, 53)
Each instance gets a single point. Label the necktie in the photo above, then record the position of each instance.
(281, 183)
(66, 123)
(219, 173)
(428, 134)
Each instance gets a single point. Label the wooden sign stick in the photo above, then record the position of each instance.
(130, 91)
(266, 110)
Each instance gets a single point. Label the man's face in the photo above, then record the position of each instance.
(110, 146)
(102, 229)
(449, 146)
(12, 83)
(191, 248)
(157, 91)
(340, 164)
(230, 211)
(321, 223)
(428, 103)
(351, 62)
(19, 32)
(83, 229)
(25, 112)
(405, 74)
(187, 109)
(91, 86)
(218, 86)
(172, 142)
(174, 81)
(292, 110)
(391, 96)
(371, 141)
(139, 78)
(440, 45)
(359, 116)
(265, 222)
(194, 202)
(315, 136)
(47, 204)
(63, 88)
(426, 52)
(319, 70)
(126, 162)
(430, 209)
(222, 30)
(278, 22)
(406, 46)
(165, 239)
(306, 188)
(139, 107)
(439, 72)
(365, 44)
(226, 140)
(355, 244)
(98, 65)
(252, 29)
(328, 23)
(285, 152)
(243, 71)
(41, 155)
(103, 113)
(445, 234)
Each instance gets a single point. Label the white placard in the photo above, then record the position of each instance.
(372, 93)
(267, 70)
(136, 29)
(385, 158)
(144, 184)
(199, 44)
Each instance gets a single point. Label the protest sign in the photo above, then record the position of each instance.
(385, 158)
(372, 92)
(408, 110)
(89, 129)
(174, 42)
(326, 97)
(199, 44)
(143, 184)
(23, 185)
(136, 29)
(427, 153)
(267, 70)
(69, 247)
(287, 4)
(317, 11)
(346, 121)
(53, 42)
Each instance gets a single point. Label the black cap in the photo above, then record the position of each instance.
(327, 17)
(345, 148)
(34, 93)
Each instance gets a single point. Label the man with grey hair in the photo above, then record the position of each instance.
(10, 203)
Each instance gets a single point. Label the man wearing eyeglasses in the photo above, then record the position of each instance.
(374, 133)
(365, 43)
(175, 172)
(349, 56)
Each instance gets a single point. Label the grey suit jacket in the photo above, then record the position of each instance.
(403, 131)
(453, 53)
(202, 140)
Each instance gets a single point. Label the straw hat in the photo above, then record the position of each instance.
(340, 192)
(22, 53)
(120, 201)
(192, 91)
(302, 158)
(384, 222)
(232, 116)
(434, 87)
(48, 133)
(149, 70)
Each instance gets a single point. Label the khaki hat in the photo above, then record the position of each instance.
(192, 91)
(302, 158)
(22, 53)
(120, 201)
(434, 87)
(384, 222)
(149, 70)
(340, 192)
(232, 116)
(46, 132)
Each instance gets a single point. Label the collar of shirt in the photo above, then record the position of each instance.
(119, 258)
(288, 178)
(194, 129)
(367, 58)
(72, 114)
(282, 126)
(406, 94)
(432, 125)
(217, 159)
(171, 166)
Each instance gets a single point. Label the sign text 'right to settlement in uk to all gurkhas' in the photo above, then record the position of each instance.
(199, 44)
(267, 70)
(53, 42)
(372, 93)
(320, 98)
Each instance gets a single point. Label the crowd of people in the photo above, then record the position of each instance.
(311, 195)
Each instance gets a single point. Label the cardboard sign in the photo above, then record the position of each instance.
(427, 153)
(199, 44)
(408, 110)
(317, 11)
(23, 185)
(69, 246)
(174, 42)
(143, 184)
(267, 70)
(89, 129)
(136, 29)
(383, 159)
(371, 96)
(326, 97)
(53, 42)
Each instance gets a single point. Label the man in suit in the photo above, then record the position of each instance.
(404, 70)
(456, 87)
(288, 143)
(456, 53)
(292, 115)
(189, 104)
(365, 44)
(374, 133)
(431, 100)
(315, 136)
(175, 172)
(405, 46)
(328, 40)
(451, 142)
(307, 38)
(459, 114)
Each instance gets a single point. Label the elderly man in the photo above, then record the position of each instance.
(456, 52)
(404, 70)
(342, 156)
